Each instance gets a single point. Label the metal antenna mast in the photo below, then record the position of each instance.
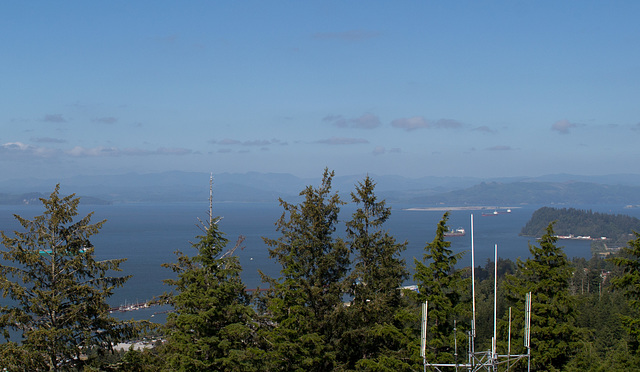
(211, 199)
(473, 284)
(483, 360)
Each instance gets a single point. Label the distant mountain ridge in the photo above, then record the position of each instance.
(178, 186)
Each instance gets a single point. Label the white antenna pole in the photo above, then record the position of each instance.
(473, 283)
(211, 200)
(527, 329)
(509, 338)
(423, 336)
(495, 300)
(527, 321)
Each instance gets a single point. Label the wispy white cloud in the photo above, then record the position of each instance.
(80, 151)
(563, 126)
(226, 142)
(366, 121)
(235, 142)
(256, 143)
(173, 151)
(419, 122)
(409, 124)
(54, 118)
(15, 146)
(30, 151)
(379, 150)
(47, 140)
(337, 120)
(500, 148)
(484, 129)
(448, 124)
(342, 141)
(22, 149)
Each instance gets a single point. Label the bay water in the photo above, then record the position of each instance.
(147, 235)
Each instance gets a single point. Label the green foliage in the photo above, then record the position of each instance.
(58, 288)
(443, 287)
(554, 334)
(212, 326)
(629, 283)
(373, 337)
(302, 303)
(57, 292)
(580, 223)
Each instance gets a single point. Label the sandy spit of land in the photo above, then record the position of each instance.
(466, 208)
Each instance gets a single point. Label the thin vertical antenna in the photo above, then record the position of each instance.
(495, 299)
(211, 200)
(509, 338)
(455, 342)
(527, 329)
(473, 282)
(527, 321)
(423, 336)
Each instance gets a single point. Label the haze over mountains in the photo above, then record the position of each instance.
(177, 186)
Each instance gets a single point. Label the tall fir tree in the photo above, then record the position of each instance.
(444, 288)
(302, 303)
(213, 325)
(629, 284)
(554, 334)
(59, 290)
(374, 338)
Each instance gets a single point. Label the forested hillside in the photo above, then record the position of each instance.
(581, 223)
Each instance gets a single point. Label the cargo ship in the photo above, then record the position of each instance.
(457, 232)
(496, 212)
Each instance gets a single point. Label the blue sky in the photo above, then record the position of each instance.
(413, 88)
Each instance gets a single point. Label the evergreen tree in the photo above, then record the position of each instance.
(212, 327)
(59, 290)
(554, 334)
(302, 303)
(373, 338)
(443, 287)
(629, 283)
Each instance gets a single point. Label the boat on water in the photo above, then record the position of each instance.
(496, 212)
(457, 232)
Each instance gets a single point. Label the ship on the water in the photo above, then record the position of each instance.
(457, 232)
(496, 212)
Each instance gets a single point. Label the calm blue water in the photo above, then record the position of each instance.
(148, 234)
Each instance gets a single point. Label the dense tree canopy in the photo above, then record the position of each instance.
(442, 285)
(373, 335)
(580, 222)
(629, 283)
(302, 303)
(58, 289)
(336, 305)
(213, 323)
(554, 334)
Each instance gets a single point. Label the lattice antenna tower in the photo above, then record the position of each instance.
(483, 360)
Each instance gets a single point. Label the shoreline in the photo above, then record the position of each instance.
(471, 208)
